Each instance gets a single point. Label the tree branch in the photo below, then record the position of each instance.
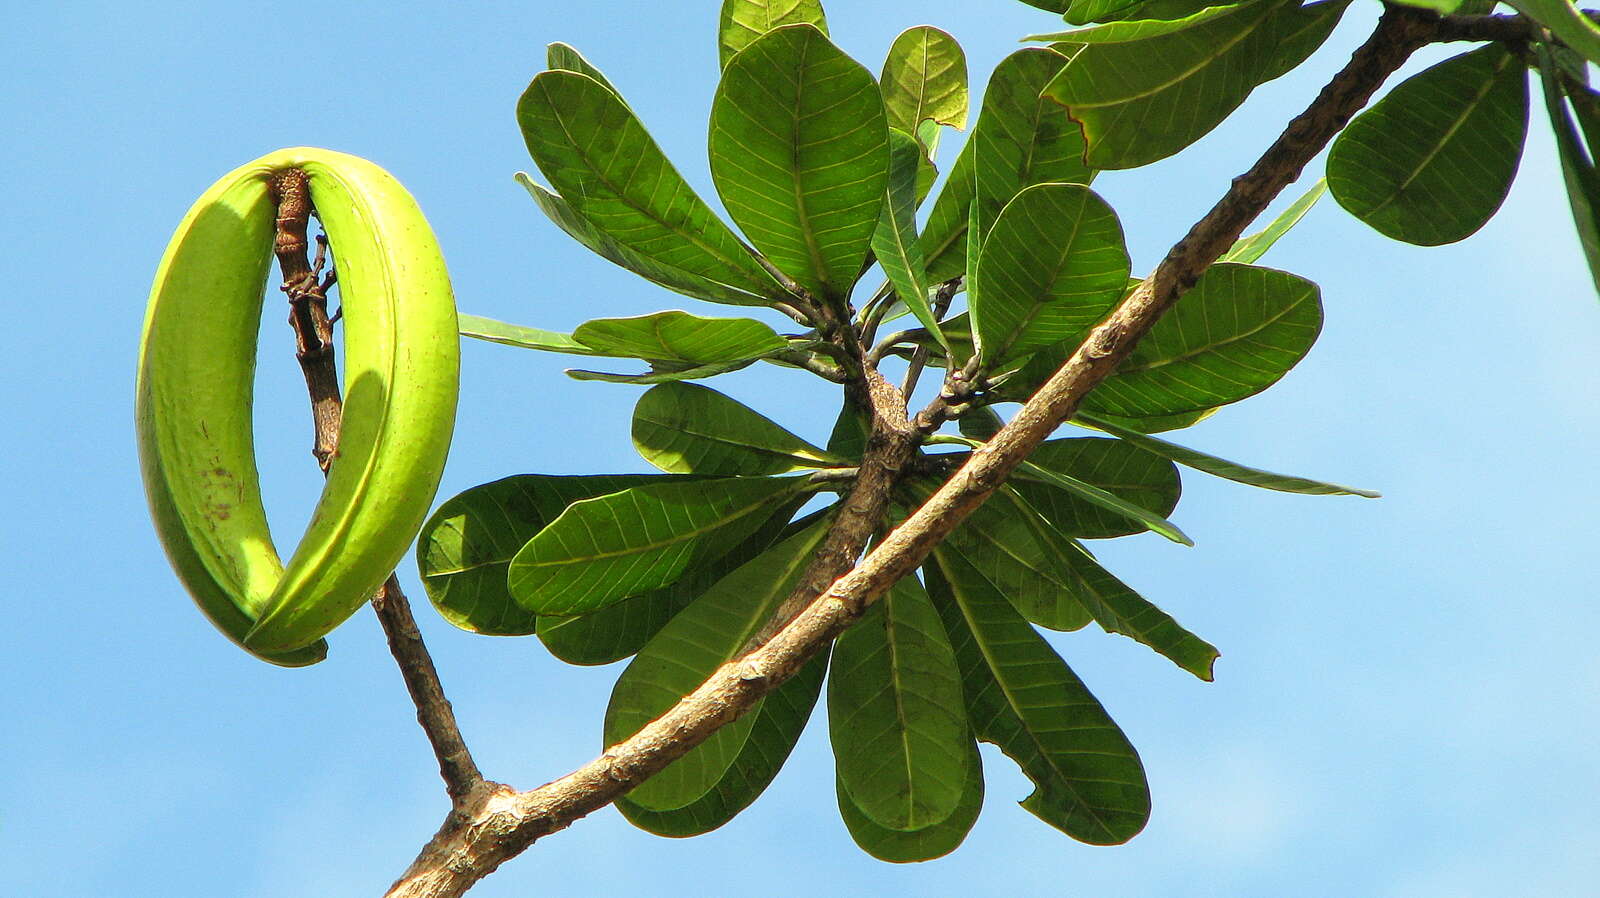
(507, 823)
(313, 332)
(1491, 28)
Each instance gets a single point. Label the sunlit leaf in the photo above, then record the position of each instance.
(895, 241)
(680, 337)
(660, 373)
(689, 429)
(1137, 478)
(925, 79)
(493, 331)
(1568, 23)
(1251, 247)
(742, 21)
(566, 58)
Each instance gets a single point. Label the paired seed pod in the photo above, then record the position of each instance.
(195, 385)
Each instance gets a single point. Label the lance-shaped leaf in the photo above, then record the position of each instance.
(925, 844)
(1053, 264)
(660, 373)
(1221, 467)
(622, 628)
(1235, 333)
(648, 267)
(800, 155)
(1132, 475)
(1117, 608)
(776, 726)
(603, 163)
(680, 337)
(1023, 698)
(1024, 140)
(1431, 162)
(1145, 89)
(566, 58)
(602, 550)
(488, 329)
(1567, 22)
(467, 545)
(899, 733)
(1577, 167)
(895, 241)
(925, 79)
(742, 21)
(1251, 247)
(709, 633)
(689, 429)
(848, 438)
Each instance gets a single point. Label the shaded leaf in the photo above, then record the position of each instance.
(680, 337)
(466, 547)
(1052, 265)
(1251, 247)
(1566, 22)
(1221, 467)
(774, 730)
(1133, 475)
(799, 154)
(1235, 333)
(894, 713)
(937, 840)
(709, 633)
(925, 79)
(604, 164)
(1024, 140)
(849, 437)
(1577, 168)
(1432, 161)
(742, 21)
(1023, 698)
(660, 373)
(895, 240)
(606, 549)
(689, 429)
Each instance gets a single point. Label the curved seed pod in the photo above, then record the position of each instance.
(195, 384)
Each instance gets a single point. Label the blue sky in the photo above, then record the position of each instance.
(1407, 696)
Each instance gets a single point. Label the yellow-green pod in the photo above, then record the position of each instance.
(195, 384)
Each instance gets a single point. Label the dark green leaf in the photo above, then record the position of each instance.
(1566, 22)
(1082, 12)
(606, 549)
(800, 155)
(895, 241)
(680, 337)
(925, 79)
(467, 545)
(1024, 140)
(1053, 264)
(1431, 162)
(742, 21)
(1298, 31)
(607, 167)
(894, 712)
(1251, 247)
(660, 373)
(849, 436)
(689, 429)
(938, 840)
(1159, 423)
(1442, 7)
(1136, 477)
(709, 633)
(1235, 333)
(1023, 698)
(778, 722)
(1577, 168)
(1221, 467)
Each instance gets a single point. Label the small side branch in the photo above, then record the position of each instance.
(313, 331)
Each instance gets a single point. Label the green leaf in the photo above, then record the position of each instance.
(680, 337)
(1145, 89)
(1577, 168)
(1431, 162)
(1023, 698)
(493, 331)
(849, 436)
(895, 240)
(622, 628)
(925, 79)
(1249, 248)
(1024, 140)
(1145, 486)
(1235, 333)
(1442, 7)
(899, 735)
(1109, 501)
(603, 550)
(467, 545)
(566, 58)
(1082, 12)
(1049, 5)
(800, 155)
(1053, 264)
(1117, 608)
(743, 21)
(660, 373)
(937, 840)
(1223, 468)
(775, 728)
(709, 633)
(1569, 25)
(689, 429)
(601, 160)
(647, 267)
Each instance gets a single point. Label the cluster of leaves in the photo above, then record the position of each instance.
(824, 169)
